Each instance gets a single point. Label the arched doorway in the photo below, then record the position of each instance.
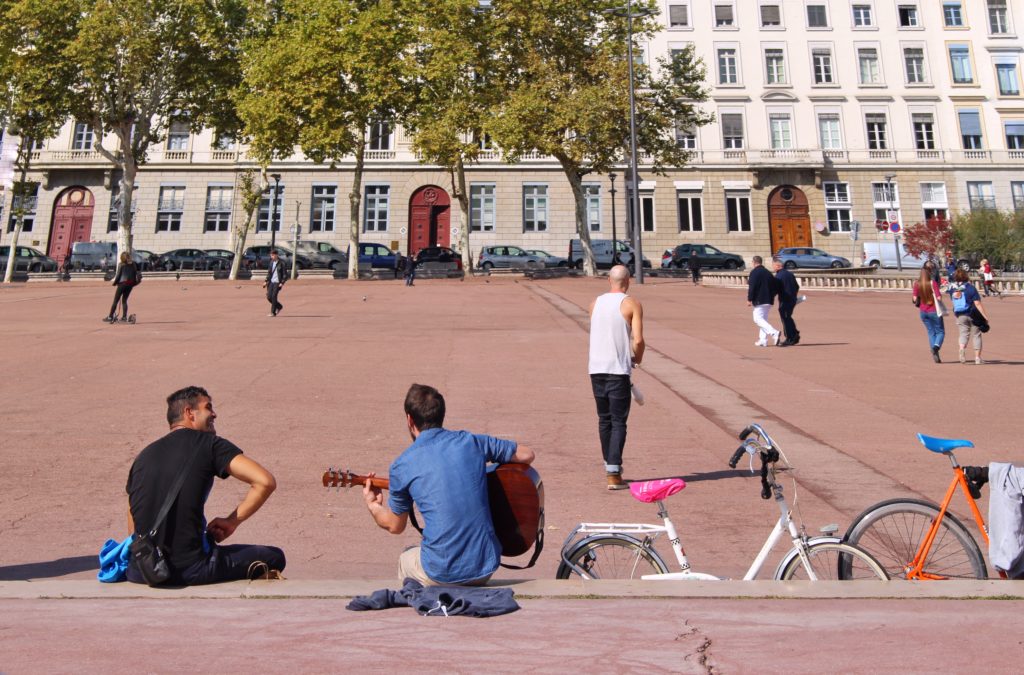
(72, 221)
(789, 218)
(429, 218)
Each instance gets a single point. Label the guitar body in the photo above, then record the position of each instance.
(516, 496)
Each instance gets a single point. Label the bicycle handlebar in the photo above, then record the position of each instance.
(735, 459)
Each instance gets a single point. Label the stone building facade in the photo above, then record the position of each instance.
(829, 114)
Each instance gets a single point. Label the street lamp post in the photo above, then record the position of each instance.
(892, 208)
(273, 210)
(634, 182)
(615, 237)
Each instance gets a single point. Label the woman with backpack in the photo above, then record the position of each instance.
(971, 318)
(126, 278)
(928, 299)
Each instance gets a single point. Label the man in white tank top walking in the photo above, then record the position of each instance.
(616, 346)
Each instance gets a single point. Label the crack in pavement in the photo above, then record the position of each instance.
(830, 474)
(702, 650)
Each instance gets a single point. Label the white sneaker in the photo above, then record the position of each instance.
(760, 344)
(638, 395)
(802, 298)
(777, 338)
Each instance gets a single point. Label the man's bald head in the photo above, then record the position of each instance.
(618, 277)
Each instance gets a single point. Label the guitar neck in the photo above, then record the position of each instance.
(334, 478)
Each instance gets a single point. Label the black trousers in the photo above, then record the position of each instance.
(225, 563)
(272, 290)
(613, 398)
(788, 325)
(121, 295)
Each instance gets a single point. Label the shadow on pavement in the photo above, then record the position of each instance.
(49, 568)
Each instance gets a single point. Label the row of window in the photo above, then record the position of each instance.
(824, 73)
(817, 15)
(782, 136)
(536, 207)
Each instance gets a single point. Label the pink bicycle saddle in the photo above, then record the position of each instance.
(655, 490)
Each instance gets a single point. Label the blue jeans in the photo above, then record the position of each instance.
(225, 563)
(613, 397)
(936, 330)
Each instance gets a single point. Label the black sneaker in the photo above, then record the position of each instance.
(935, 355)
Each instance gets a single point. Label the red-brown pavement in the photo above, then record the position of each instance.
(322, 385)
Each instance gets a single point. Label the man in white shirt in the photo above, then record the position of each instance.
(275, 280)
(616, 347)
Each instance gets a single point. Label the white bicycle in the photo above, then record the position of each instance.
(626, 550)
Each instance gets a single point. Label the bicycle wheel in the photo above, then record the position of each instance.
(832, 562)
(891, 531)
(609, 556)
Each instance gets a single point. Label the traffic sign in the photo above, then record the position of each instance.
(894, 227)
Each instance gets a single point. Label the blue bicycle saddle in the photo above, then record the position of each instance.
(943, 444)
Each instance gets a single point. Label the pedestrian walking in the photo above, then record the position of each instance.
(410, 270)
(761, 292)
(971, 318)
(276, 277)
(616, 347)
(789, 293)
(928, 300)
(988, 280)
(126, 277)
(694, 266)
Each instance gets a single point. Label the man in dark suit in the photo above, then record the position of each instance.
(761, 292)
(276, 277)
(789, 290)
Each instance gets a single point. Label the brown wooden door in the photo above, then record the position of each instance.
(789, 218)
(72, 221)
(429, 219)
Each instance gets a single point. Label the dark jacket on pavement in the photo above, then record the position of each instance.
(789, 287)
(479, 601)
(761, 287)
(284, 271)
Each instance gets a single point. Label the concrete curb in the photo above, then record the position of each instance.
(531, 588)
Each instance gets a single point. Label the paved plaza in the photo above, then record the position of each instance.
(322, 385)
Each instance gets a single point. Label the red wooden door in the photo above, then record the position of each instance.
(429, 219)
(72, 221)
(790, 218)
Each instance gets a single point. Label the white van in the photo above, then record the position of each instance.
(883, 254)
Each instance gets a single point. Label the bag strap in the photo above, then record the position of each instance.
(538, 546)
(173, 494)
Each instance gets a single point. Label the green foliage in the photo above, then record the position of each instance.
(987, 233)
(322, 71)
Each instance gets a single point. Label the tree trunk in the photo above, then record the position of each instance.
(129, 169)
(459, 187)
(582, 228)
(24, 159)
(354, 200)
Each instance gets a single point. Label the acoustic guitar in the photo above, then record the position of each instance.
(515, 493)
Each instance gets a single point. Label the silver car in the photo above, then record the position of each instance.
(27, 260)
(508, 257)
(802, 256)
(548, 259)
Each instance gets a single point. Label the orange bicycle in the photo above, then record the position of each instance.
(916, 539)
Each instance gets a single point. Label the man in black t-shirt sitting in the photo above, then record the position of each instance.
(191, 542)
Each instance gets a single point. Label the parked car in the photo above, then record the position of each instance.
(258, 257)
(883, 254)
(219, 258)
(183, 259)
(549, 260)
(507, 257)
(93, 255)
(439, 257)
(322, 254)
(792, 258)
(708, 255)
(602, 249)
(27, 260)
(146, 260)
(376, 255)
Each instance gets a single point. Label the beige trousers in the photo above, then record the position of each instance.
(411, 567)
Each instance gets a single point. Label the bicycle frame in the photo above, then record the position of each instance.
(916, 570)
